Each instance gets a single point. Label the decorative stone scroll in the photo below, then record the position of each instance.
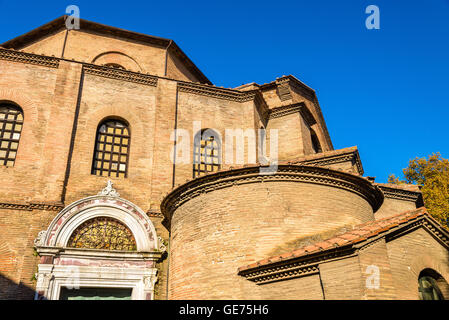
(109, 190)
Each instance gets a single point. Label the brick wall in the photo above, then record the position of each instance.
(341, 279)
(215, 233)
(412, 253)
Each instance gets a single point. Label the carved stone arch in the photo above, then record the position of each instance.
(71, 267)
(75, 214)
(117, 58)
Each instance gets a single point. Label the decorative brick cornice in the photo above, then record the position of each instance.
(292, 268)
(29, 206)
(352, 156)
(285, 110)
(215, 92)
(429, 224)
(399, 194)
(251, 174)
(306, 260)
(118, 74)
(293, 108)
(155, 214)
(30, 58)
(277, 273)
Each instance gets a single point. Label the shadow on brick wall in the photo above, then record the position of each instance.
(10, 290)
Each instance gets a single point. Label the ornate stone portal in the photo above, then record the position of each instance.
(102, 241)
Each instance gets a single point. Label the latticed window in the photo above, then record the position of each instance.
(103, 233)
(206, 152)
(111, 149)
(11, 122)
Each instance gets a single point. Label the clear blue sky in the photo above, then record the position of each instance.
(386, 90)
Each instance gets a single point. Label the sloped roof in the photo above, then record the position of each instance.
(59, 24)
(357, 236)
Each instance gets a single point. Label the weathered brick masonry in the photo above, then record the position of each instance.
(315, 229)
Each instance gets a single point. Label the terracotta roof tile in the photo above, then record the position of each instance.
(358, 234)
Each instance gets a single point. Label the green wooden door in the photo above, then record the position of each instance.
(95, 294)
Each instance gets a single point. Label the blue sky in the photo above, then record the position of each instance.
(386, 90)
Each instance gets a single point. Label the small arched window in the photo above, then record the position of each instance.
(11, 122)
(111, 149)
(431, 284)
(206, 152)
(315, 142)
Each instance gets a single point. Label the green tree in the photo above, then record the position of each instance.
(433, 175)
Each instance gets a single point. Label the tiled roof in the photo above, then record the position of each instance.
(360, 233)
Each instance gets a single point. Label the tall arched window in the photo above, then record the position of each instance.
(11, 122)
(111, 149)
(315, 141)
(206, 152)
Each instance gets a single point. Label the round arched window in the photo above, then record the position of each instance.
(103, 233)
(428, 289)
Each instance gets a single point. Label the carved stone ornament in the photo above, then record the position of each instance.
(39, 241)
(109, 191)
(150, 281)
(43, 280)
(162, 246)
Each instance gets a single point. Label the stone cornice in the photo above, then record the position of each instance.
(58, 252)
(251, 174)
(124, 75)
(30, 58)
(29, 206)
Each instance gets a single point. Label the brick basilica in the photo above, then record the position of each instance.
(95, 202)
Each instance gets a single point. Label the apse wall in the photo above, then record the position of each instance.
(222, 221)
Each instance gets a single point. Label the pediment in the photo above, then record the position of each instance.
(100, 44)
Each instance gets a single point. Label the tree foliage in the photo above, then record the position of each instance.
(432, 174)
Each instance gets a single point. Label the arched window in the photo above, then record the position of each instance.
(103, 233)
(206, 152)
(11, 122)
(111, 149)
(431, 283)
(315, 141)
